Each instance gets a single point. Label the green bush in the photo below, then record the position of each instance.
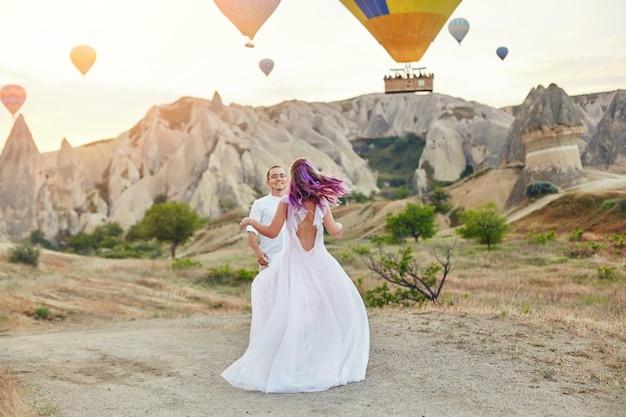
(583, 250)
(225, 275)
(540, 188)
(608, 273)
(82, 243)
(539, 238)
(577, 235)
(42, 313)
(37, 237)
(25, 253)
(185, 263)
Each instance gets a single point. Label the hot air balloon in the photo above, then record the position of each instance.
(405, 28)
(502, 52)
(247, 15)
(266, 65)
(12, 96)
(83, 57)
(458, 28)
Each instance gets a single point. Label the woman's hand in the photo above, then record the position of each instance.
(340, 232)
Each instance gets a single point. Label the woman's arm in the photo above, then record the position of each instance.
(332, 227)
(271, 230)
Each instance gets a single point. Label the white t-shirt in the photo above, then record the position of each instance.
(263, 210)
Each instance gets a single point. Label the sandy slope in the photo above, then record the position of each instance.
(428, 363)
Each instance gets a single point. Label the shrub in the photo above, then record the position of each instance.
(185, 263)
(42, 313)
(37, 237)
(607, 273)
(82, 243)
(356, 197)
(577, 235)
(26, 253)
(539, 238)
(583, 250)
(540, 188)
(225, 275)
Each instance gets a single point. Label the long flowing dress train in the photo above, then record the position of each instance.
(309, 328)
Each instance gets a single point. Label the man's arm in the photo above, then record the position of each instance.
(261, 257)
(253, 240)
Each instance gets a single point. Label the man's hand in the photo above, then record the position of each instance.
(262, 259)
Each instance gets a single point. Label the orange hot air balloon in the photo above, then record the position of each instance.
(247, 15)
(405, 28)
(12, 96)
(83, 57)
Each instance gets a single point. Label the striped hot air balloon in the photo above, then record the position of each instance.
(12, 96)
(458, 28)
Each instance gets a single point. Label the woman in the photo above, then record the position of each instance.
(309, 328)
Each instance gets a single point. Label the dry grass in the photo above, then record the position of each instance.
(543, 286)
(12, 398)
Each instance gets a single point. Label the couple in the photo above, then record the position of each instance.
(309, 328)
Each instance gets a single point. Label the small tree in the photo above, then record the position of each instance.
(440, 198)
(416, 220)
(413, 283)
(169, 222)
(486, 224)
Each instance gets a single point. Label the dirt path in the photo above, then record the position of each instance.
(432, 364)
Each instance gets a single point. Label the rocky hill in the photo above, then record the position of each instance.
(214, 157)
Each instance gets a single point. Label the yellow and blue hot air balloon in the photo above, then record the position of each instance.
(405, 28)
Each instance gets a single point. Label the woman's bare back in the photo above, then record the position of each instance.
(306, 230)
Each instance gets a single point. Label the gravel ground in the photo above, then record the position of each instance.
(431, 364)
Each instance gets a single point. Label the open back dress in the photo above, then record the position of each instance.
(309, 328)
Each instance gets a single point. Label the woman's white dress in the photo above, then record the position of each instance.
(309, 328)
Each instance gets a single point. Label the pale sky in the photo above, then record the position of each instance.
(152, 52)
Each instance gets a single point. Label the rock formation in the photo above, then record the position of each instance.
(214, 157)
(607, 147)
(458, 134)
(20, 176)
(544, 137)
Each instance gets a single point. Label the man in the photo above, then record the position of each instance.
(263, 210)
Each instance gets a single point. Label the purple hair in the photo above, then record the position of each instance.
(307, 183)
